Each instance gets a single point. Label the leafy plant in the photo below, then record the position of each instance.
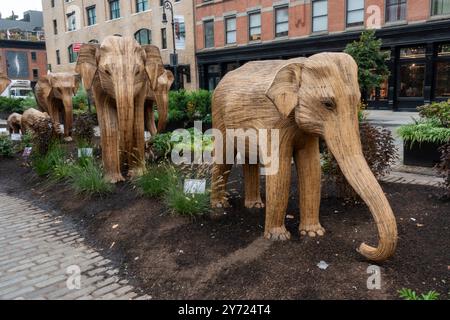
(44, 164)
(10, 105)
(156, 181)
(372, 67)
(439, 111)
(6, 146)
(83, 130)
(186, 204)
(189, 106)
(443, 169)
(379, 150)
(87, 178)
(426, 130)
(408, 294)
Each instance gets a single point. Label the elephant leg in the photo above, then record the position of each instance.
(109, 128)
(150, 118)
(252, 192)
(137, 168)
(307, 161)
(277, 196)
(68, 122)
(220, 174)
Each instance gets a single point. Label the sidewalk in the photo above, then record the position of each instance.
(40, 255)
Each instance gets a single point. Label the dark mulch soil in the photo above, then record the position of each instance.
(175, 258)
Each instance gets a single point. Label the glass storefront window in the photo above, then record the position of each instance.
(380, 93)
(412, 79)
(412, 52)
(443, 79)
(444, 50)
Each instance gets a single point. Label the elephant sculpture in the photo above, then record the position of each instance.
(4, 82)
(54, 94)
(32, 116)
(120, 74)
(160, 96)
(303, 99)
(14, 123)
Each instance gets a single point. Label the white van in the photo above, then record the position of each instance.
(18, 89)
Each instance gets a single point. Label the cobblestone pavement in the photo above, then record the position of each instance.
(412, 178)
(41, 257)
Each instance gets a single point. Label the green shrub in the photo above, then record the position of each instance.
(29, 102)
(443, 169)
(88, 179)
(424, 131)
(439, 111)
(80, 100)
(156, 181)
(44, 164)
(6, 146)
(83, 130)
(10, 105)
(61, 171)
(408, 294)
(191, 205)
(190, 106)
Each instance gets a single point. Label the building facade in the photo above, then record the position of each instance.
(416, 33)
(22, 47)
(70, 22)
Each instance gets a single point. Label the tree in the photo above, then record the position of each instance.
(371, 61)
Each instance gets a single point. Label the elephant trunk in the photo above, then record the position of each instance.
(162, 101)
(346, 148)
(68, 115)
(125, 115)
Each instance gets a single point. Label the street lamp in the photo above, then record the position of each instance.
(174, 57)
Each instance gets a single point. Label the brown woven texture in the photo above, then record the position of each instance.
(304, 98)
(14, 123)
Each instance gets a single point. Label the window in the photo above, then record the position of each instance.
(355, 13)
(281, 22)
(395, 10)
(35, 73)
(72, 54)
(55, 27)
(440, 7)
(209, 33)
(443, 72)
(58, 58)
(114, 9)
(163, 38)
(52, 3)
(412, 52)
(412, 72)
(143, 36)
(320, 16)
(230, 30)
(71, 21)
(91, 16)
(254, 26)
(141, 5)
(33, 56)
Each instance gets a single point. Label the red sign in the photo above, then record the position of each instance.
(76, 47)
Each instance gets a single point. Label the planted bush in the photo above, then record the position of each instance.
(428, 130)
(378, 149)
(156, 181)
(443, 169)
(183, 204)
(44, 163)
(83, 130)
(6, 146)
(87, 178)
(189, 106)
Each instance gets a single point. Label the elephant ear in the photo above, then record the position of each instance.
(87, 64)
(153, 65)
(283, 91)
(165, 80)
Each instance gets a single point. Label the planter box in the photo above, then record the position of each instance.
(425, 154)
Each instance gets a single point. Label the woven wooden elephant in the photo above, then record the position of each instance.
(54, 94)
(304, 99)
(14, 123)
(121, 73)
(32, 116)
(4, 82)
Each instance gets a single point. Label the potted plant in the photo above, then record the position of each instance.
(423, 139)
(83, 132)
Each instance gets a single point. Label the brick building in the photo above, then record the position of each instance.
(415, 32)
(81, 21)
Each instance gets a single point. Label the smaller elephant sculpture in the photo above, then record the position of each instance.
(160, 97)
(4, 82)
(14, 123)
(54, 94)
(32, 116)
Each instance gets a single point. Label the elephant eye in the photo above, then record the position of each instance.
(329, 103)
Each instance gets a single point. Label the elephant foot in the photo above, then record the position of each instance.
(312, 230)
(68, 139)
(254, 204)
(114, 178)
(277, 234)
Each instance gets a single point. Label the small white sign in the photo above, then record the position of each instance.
(27, 152)
(194, 186)
(147, 136)
(4, 131)
(85, 153)
(16, 137)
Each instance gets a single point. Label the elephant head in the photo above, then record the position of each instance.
(323, 95)
(119, 71)
(54, 94)
(4, 82)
